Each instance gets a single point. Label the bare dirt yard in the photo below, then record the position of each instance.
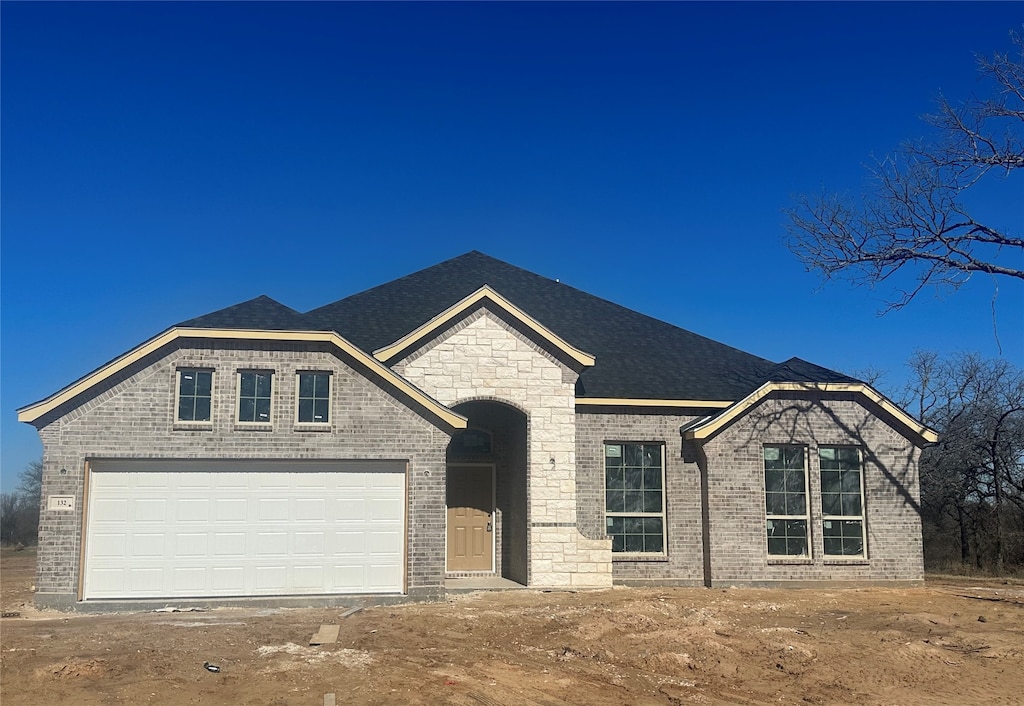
(951, 642)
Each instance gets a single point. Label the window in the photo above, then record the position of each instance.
(842, 501)
(785, 493)
(635, 497)
(314, 398)
(195, 391)
(254, 397)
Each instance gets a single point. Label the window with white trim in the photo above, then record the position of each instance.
(634, 477)
(195, 394)
(786, 506)
(314, 398)
(254, 395)
(842, 501)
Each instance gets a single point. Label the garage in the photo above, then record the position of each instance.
(198, 529)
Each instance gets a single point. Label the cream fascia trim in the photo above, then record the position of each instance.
(470, 302)
(706, 430)
(35, 411)
(624, 402)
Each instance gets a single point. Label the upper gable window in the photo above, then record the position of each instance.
(314, 398)
(195, 393)
(254, 395)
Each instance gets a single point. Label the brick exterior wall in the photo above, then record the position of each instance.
(135, 418)
(734, 467)
(683, 560)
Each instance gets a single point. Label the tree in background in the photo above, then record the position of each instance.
(19, 510)
(912, 218)
(972, 481)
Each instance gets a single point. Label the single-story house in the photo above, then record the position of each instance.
(470, 419)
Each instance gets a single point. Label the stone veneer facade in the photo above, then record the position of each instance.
(484, 358)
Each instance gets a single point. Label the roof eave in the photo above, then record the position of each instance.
(919, 433)
(35, 411)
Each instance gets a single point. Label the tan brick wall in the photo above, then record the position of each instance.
(735, 480)
(135, 418)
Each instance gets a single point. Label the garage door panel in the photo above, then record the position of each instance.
(272, 510)
(192, 510)
(227, 545)
(148, 545)
(165, 529)
(112, 509)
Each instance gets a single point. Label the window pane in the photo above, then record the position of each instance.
(851, 504)
(306, 411)
(247, 410)
(652, 501)
(188, 383)
(830, 482)
(633, 454)
(618, 543)
(612, 455)
(796, 505)
(247, 384)
(634, 501)
(186, 409)
(320, 411)
(634, 542)
(614, 478)
(262, 385)
(306, 383)
(614, 502)
(204, 383)
(615, 525)
(262, 410)
(652, 456)
(795, 482)
(775, 481)
(849, 458)
(634, 478)
(653, 543)
(202, 409)
(794, 456)
(776, 503)
(652, 479)
(851, 482)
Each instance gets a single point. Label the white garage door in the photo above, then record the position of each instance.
(159, 529)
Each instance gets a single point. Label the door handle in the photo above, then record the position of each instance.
(488, 526)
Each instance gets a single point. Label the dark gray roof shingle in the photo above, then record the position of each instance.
(637, 357)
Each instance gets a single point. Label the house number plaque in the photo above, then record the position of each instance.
(61, 503)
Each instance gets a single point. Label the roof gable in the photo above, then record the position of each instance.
(485, 296)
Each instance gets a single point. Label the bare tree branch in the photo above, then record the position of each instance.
(912, 218)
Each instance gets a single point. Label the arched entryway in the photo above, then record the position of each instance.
(486, 494)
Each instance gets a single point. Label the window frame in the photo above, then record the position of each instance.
(178, 396)
(238, 399)
(662, 515)
(828, 517)
(298, 398)
(776, 517)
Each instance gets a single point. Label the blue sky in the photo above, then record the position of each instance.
(164, 160)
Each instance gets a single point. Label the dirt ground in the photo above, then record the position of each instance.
(953, 641)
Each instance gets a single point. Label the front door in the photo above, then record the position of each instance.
(470, 521)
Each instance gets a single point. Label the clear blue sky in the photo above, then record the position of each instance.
(164, 160)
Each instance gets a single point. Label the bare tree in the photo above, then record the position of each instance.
(912, 218)
(972, 481)
(19, 510)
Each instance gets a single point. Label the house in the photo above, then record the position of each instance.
(470, 419)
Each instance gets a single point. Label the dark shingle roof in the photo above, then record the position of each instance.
(638, 357)
(261, 313)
